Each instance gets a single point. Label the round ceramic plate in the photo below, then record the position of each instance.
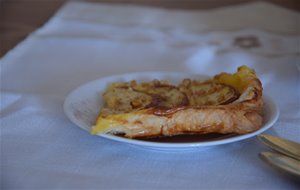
(83, 105)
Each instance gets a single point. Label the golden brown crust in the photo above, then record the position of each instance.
(243, 115)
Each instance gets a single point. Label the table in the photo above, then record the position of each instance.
(42, 149)
(18, 18)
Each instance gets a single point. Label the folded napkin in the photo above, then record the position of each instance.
(41, 148)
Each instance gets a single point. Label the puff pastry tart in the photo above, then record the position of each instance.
(226, 103)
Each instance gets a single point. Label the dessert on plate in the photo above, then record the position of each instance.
(225, 104)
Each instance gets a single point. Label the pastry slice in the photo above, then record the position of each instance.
(227, 103)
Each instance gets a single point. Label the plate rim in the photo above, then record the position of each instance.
(266, 98)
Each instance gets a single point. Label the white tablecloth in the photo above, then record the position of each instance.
(42, 149)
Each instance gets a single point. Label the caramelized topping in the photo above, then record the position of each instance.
(164, 97)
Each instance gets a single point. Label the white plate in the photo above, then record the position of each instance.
(83, 104)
